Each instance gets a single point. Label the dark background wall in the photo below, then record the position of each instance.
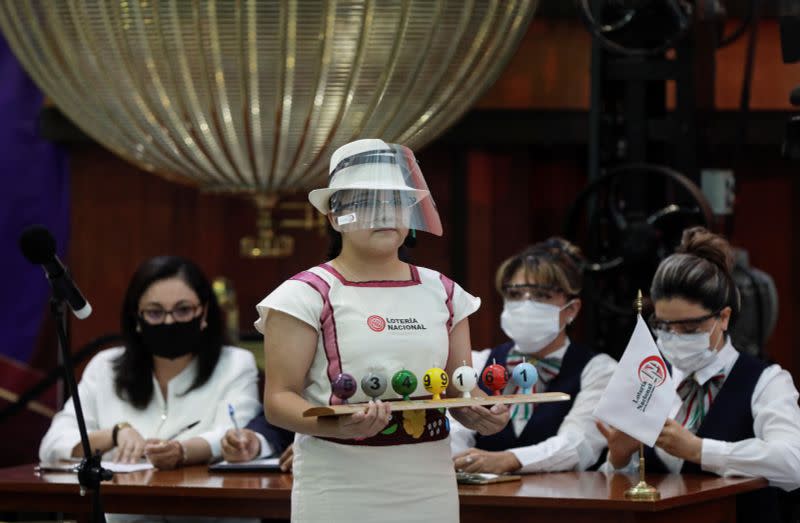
(517, 184)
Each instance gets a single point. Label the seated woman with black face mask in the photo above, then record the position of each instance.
(163, 396)
(540, 288)
(733, 415)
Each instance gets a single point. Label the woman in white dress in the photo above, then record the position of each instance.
(368, 311)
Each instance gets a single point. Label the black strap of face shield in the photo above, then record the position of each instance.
(376, 156)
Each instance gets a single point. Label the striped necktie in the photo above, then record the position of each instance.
(697, 399)
(547, 369)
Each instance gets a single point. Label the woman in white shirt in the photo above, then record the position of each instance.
(733, 415)
(540, 287)
(369, 311)
(163, 396)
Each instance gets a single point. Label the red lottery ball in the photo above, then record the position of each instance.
(495, 378)
(344, 386)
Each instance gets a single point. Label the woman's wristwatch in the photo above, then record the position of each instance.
(115, 431)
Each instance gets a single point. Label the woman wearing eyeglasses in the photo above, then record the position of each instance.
(733, 414)
(163, 396)
(540, 287)
(366, 310)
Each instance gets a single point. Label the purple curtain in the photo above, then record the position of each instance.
(34, 188)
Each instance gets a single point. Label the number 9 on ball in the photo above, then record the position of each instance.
(435, 381)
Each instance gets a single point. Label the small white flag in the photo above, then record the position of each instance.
(641, 392)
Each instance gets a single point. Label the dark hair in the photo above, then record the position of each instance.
(700, 271)
(554, 263)
(335, 245)
(133, 369)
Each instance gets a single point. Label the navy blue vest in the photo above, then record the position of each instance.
(730, 418)
(547, 417)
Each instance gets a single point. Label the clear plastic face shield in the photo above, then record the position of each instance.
(380, 188)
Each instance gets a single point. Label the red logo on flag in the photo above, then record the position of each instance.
(376, 323)
(653, 370)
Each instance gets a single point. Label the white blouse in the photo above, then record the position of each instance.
(234, 381)
(578, 443)
(371, 326)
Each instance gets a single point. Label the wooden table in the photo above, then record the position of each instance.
(569, 496)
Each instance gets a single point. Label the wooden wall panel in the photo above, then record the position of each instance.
(121, 216)
(550, 70)
(515, 196)
(765, 225)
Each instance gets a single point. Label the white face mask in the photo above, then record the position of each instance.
(688, 352)
(532, 325)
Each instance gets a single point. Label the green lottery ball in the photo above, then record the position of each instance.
(404, 383)
(374, 384)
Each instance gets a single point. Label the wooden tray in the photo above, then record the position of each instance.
(448, 403)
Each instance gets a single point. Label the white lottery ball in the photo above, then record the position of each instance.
(465, 378)
(525, 375)
(374, 384)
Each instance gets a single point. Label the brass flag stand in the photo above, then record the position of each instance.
(641, 491)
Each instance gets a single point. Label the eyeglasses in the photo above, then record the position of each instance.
(181, 314)
(684, 326)
(529, 291)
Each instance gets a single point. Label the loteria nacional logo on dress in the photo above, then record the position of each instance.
(378, 324)
(652, 373)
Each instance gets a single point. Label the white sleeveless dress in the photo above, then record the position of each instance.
(405, 473)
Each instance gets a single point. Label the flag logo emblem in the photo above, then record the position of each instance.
(653, 370)
(376, 323)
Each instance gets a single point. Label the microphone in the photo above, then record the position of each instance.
(39, 247)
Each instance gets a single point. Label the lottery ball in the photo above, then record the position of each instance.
(495, 377)
(404, 383)
(525, 376)
(464, 379)
(344, 386)
(374, 384)
(435, 381)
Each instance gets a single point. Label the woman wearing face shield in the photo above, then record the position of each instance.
(540, 288)
(733, 415)
(366, 311)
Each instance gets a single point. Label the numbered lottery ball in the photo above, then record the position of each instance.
(525, 376)
(495, 378)
(374, 384)
(404, 383)
(435, 382)
(344, 386)
(464, 379)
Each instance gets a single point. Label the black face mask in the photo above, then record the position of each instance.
(172, 340)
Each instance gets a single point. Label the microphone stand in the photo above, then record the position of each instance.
(90, 471)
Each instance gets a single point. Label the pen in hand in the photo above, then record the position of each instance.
(156, 450)
(232, 414)
(184, 429)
